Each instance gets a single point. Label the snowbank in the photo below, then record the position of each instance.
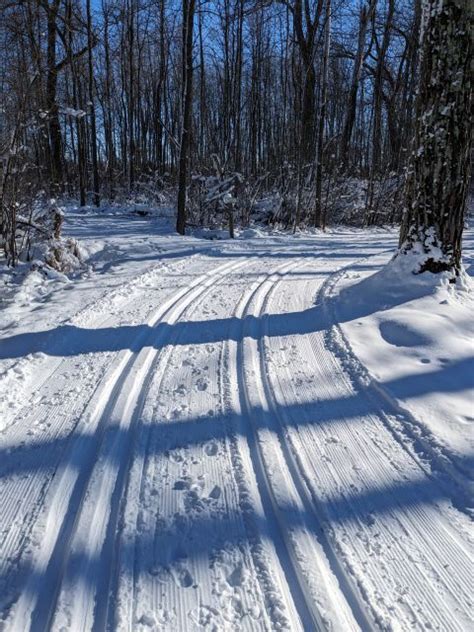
(414, 334)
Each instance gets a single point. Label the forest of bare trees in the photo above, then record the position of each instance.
(312, 100)
(236, 315)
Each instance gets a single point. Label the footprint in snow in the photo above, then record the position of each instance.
(185, 578)
(237, 577)
(215, 492)
(181, 485)
(193, 502)
(174, 456)
(147, 620)
(211, 449)
(204, 616)
(194, 485)
(181, 575)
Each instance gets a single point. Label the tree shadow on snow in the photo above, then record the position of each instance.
(70, 340)
(165, 549)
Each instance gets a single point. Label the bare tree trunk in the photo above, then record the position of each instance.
(93, 140)
(237, 101)
(307, 46)
(108, 121)
(55, 141)
(365, 15)
(438, 175)
(131, 96)
(322, 116)
(187, 74)
(378, 89)
(160, 95)
(77, 105)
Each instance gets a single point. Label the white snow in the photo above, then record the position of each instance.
(415, 336)
(272, 432)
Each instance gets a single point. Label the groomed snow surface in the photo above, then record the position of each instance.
(270, 433)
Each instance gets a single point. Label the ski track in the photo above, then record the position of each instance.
(53, 411)
(215, 473)
(382, 515)
(31, 372)
(73, 479)
(430, 455)
(239, 601)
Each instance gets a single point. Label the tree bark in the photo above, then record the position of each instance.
(438, 175)
(378, 90)
(56, 165)
(187, 74)
(306, 40)
(95, 167)
(318, 211)
(365, 16)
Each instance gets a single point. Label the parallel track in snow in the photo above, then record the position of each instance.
(286, 607)
(368, 492)
(431, 456)
(38, 599)
(157, 373)
(283, 579)
(349, 608)
(303, 488)
(121, 299)
(309, 568)
(289, 604)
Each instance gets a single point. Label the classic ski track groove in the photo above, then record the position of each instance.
(293, 553)
(107, 396)
(333, 544)
(300, 481)
(160, 366)
(286, 583)
(129, 600)
(415, 439)
(159, 362)
(305, 607)
(260, 566)
(115, 294)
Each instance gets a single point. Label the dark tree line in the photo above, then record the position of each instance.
(119, 97)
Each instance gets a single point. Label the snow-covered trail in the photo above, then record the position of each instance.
(202, 456)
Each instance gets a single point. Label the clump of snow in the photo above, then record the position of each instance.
(57, 257)
(210, 233)
(400, 280)
(252, 233)
(71, 112)
(425, 252)
(39, 240)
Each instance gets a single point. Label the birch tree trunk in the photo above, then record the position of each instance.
(438, 175)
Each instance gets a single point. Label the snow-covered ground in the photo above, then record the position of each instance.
(268, 433)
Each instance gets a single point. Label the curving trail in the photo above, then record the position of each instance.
(203, 457)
